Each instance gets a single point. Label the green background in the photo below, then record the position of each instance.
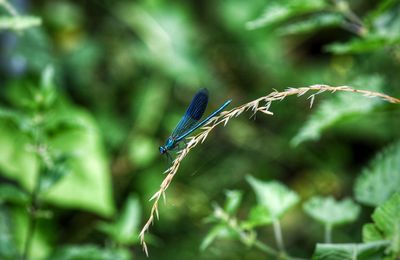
(120, 75)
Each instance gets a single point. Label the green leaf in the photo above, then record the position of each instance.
(88, 184)
(273, 196)
(386, 224)
(8, 249)
(328, 211)
(381, 179)
(91, 252)
(338, 108)
(387, 21)
(371, 233)
(11, 193)
(259, 216)
(279, 11)
(19, 22)
(367, 44)
(15, 117)
(124, 230)
(381, 8)
(217, 232)
(360, 251)
(233, 200)
(167, 32)
(16, 162)
(313, 23)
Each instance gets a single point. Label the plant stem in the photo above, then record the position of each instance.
(34, 202)
(30, 232)
(328, 234)
(278, 236)
(33, 208)
(263, 247)
(245, 238)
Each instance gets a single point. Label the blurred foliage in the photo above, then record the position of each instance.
(90, 89)
(350, 251)
(43, 121)
(90, 252)
(125, 230)
(386, 224)
(273, 198)
(381, 178)
(331, 212)
(11, 193)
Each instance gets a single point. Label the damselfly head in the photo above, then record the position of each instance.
(162, 149)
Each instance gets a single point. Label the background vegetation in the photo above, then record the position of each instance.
(90, 89)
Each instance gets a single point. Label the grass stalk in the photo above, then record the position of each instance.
(262, 105)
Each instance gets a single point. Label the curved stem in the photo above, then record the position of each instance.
(261, 104)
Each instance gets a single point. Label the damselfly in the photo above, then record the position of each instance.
(190, 121)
